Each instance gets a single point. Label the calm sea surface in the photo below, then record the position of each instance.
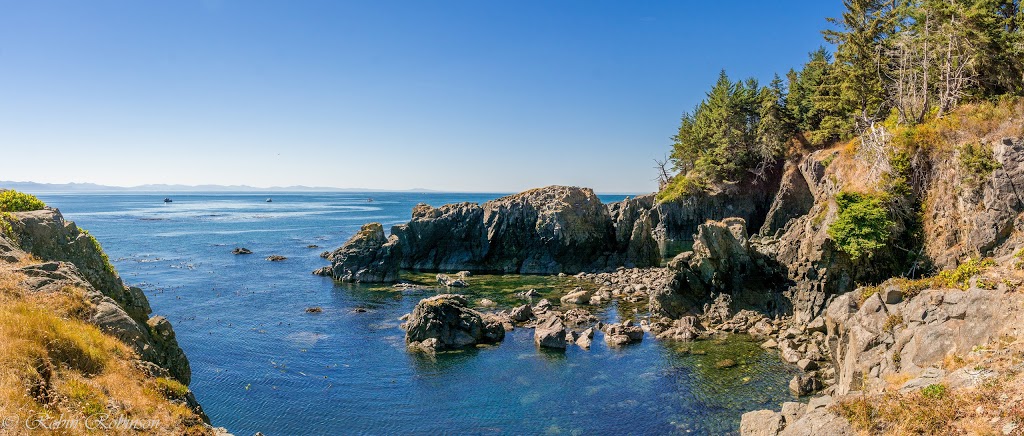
(261, 363)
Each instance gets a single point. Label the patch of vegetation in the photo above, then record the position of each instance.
(14, 201)
(934, 391)
(107, 266)
(976, 162)
(56, 365)
(681, 186)
(961, 276)
(892, 322)
(171, 389)
(867, 291)
(911, 287)
(6, 226)
(862, 225)
(87, 399)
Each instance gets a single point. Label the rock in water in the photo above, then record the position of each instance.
(521, 313)
(241, 250)
(623, 334)
(443, 322)
(367, 257)
(541, 231)
(449, 282)
(550, 333)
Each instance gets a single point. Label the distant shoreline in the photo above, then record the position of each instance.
(90, 188)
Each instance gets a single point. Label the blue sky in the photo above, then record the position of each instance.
(450, 95)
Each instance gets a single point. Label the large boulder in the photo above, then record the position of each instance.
(550, 333)
(367, 257)
(445, 322)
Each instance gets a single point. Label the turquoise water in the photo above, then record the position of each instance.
(261, 363)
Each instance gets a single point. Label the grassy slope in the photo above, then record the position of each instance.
(54, 364)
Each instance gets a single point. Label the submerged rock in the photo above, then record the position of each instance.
(241, 250)
(444, 322)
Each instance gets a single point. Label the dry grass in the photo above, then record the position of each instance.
(53, 364)
(938, 410)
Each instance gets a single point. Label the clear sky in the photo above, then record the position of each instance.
(468, 95)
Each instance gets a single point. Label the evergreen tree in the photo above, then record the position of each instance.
(863, 29)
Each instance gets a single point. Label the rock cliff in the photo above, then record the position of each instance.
(75, 258)
(72, 327)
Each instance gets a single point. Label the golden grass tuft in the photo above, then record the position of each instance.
(54, 364)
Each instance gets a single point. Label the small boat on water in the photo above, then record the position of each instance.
(270, 200)
(167, 200)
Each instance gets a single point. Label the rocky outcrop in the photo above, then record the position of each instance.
(794, 199)
(973, 215)
(367, 257)
(73, 258)
(445, 322)
(722, 274)
(872, 340)
(541, 231)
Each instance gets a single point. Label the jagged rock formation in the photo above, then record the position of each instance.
(74, 258)
(542, 231)
(723, 266)
(445, 322)
(367, 257)
(872, 340)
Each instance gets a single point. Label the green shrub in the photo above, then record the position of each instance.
(14, 201)
(6, 229)
(862, 226)
(681, 186)
(934, 392)
(976, 162)
(960, 276)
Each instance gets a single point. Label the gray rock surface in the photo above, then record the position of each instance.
(445, 322)
(367, 257)
(550, 333)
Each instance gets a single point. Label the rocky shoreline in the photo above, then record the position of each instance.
(756, 259)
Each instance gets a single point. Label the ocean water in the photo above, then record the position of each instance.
(261, 363)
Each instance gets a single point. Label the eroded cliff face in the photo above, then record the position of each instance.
(73, 258)
(972, 215)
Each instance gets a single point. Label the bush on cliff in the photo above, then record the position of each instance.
(14, 201)
(863, 225)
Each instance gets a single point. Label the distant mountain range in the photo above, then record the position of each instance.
(33, 187)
